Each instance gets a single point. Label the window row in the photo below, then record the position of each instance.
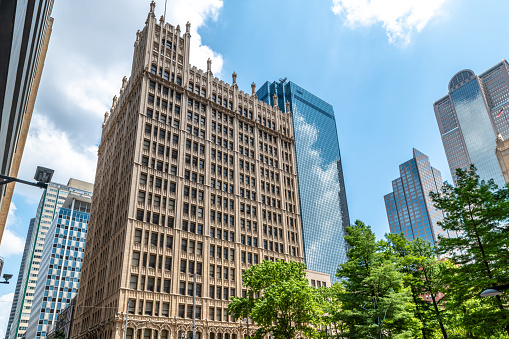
(189, 267)
(222, 142)
(251, 258)
(221, 201)
(221, 156)
(222, 234)
(151, 284)
(161, 133)
(224, 171)
(156, 239)
(222, 218)
(154, 218)
(149, 307)
(220, 272)
(220, 252)
(218, 292)
(151, 261)
(191, 246)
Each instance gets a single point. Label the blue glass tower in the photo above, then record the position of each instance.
(471, 115)
(409, 207)
(324, 211)
(60, 265)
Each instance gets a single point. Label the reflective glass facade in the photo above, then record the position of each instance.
(469, 122)
(409, 208)
(323, 205)
(60, 266)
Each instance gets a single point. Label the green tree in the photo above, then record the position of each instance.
(478, 211)
(279, 300)
(332, 324)
(375, 303)
(59, 335)
(424, 275)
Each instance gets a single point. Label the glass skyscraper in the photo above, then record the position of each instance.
(51, 200)
(60, 265)
(469, 120)
(409, 207)
(323, 205)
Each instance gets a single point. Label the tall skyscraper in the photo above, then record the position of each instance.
(22, 268)
(25, 29)
(60, 264)
(409, 207)
(189, 181)
(322, 195)
(52, 199)
(469, 120)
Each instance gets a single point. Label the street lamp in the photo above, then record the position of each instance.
(42, 176)
(7, 277)
(494, 291)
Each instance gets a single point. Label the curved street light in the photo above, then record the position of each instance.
(494, 291)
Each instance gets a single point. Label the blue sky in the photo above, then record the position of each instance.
(380, 63)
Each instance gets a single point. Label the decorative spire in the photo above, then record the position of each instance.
(152, 7)
(209, 65)
(114, 102)
(188, 27)
(253, 89)
(124, 82)
(138, 34)
(106, 115)
(161, 21)
(288, 106)
(178, 28)
(274, 99)
(234, 78)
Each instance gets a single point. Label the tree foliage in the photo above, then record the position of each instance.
(478, 211)
(376, 304)
(279, 300)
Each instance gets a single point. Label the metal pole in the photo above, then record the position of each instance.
(247, 322)
(126, 317)
(194, 306)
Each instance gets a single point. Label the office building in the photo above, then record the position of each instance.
(409, 207)
(322, 195)
(470, 117)
(60, 264)
(189, 181)
(25, 29)
(52, 199)
(64, 321)
(20, 275)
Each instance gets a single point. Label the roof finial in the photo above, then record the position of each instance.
(161, 21)
(124, 82)
(234, 78)
(188, 27)
(253, 89)
(106, 115)
(209, 65)
(152, 7)
(288, 106)
(274, 99)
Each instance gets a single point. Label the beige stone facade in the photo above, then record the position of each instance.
(193, 176)
(318, 279)
(502, 152)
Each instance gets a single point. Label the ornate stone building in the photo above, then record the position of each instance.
(194, 176)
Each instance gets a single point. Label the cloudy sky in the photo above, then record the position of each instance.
(380, 63)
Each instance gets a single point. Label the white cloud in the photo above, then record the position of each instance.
(5, 309)
(50, 147)
(197, 13)
(400, 18)
(12, 244)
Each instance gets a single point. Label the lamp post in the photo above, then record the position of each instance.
(126, 317)
(194, 305)
(43, 176)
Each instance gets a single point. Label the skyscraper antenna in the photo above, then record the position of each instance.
(164, 16)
